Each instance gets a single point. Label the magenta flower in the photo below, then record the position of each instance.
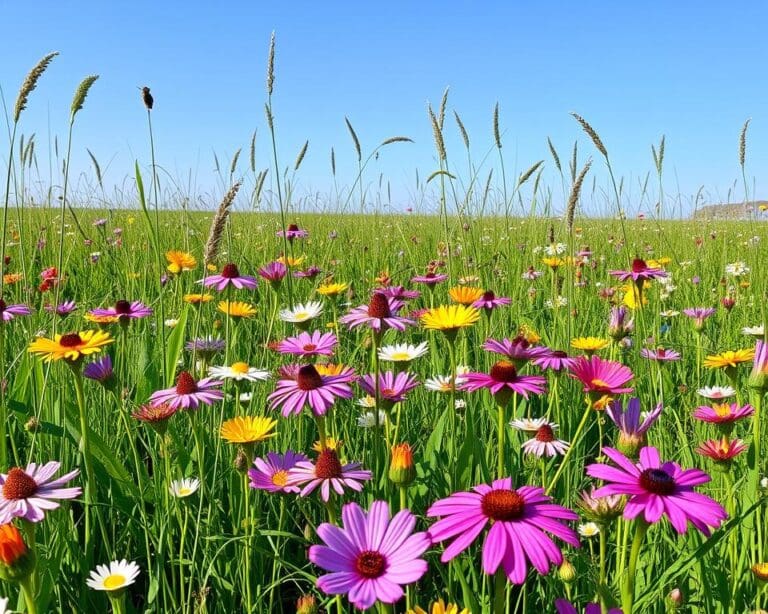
(699, 314)
(655, 489)
(660, 354)
(63, 309)
(310, 273)
(601, 377)
(430, 279)
(101, 370)
(502, 380)
(274, 272)
(490, 301)
(520, 520)
(758, 377)
(305, 344)
(723, 413)
(556, 360)
(230, 275)
(308, 387)
(619, 325)
(563, 606)
(29, 493)
(398, 293)
(124, 310)
(518, 350)
(293, 232)
(639, 273)
(187, 393)
(379, 314)
(327, 472)
(393, 387)
(631, 424)
(271, 473)
(372, 556)
(9, 311)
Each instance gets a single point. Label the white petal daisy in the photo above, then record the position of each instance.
(588, 529)
(303, 312)
(716, 392)
(402, 352)
(368, 420)
(184, 487)
(239, 372)
(117, 576)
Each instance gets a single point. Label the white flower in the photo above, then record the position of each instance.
(171, 322)
(544, 442)
(737, 269)
(246, 397)
(402, 352)
(184, 487)
(589, 529)
(439, 383)
(669, 313)
(716, 392)
(366, 401)
(528, 425)
(560, 301)
(755, 331)
(555, 249)
(302, 312)
(368, 419)
(531, 275)
(117, 576)
(239, 372)
(460, 404)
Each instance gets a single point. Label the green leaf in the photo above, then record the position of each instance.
(174, 347)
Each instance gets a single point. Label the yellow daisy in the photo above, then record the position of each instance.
(292, 262)
(197, 299)
(237, 309)
(760, 571)
(731, 359)
(589, 345)
(180, 261)
(465, 295)
(529, 334)
(440, 607)
(553, 262)
(12, 278)
(332, 369)
(70, 346)
(450, 318)
(101, 319)
(631, 295)
(332, 289)
(331, 443)
(248, 429)
(658, 263)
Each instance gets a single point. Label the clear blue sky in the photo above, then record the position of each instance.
(693, 71)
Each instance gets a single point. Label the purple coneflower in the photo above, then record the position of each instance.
(398, 293)
(556, 360)
(430, 279)
(655, 488)
(503, 380)
(271, 473)
(699, 314)
(100, 370)
(660, 354)
(230, 275)
(544, 442)
(274, 272)
(308, 387)
(619, 325)
(327, 472)
(63, 309)
(124, 311)
(639, 272)
(206, 347)
(10, 311)
(518, 519)
(379, 314)
(371, 556)
(631, 424)
(490, 301)
(189, 394)
(393, 387)
(517, 350)
(293, 232)
(305, 344)
(310, 273)
(29, 493)
(601, 377)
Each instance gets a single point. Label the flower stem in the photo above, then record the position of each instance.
(85, 449)
(628, 590)
(574, 441)
(29, 594)
(500, 426)
(499, 592)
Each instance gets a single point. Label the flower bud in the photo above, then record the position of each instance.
(675, 598)
(17, 562)
(758, 377)
(401, 469)
(566, 572)
(760, 571)
(307, 604)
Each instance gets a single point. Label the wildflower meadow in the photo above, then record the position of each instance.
(506, 406)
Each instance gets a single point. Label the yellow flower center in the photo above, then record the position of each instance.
(722, 409)
(240, 368)
(400, 356)
(301, 315)
(280, 478)
(184, 491)
(598, 383)
(114, 581)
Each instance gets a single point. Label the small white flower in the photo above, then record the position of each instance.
(737, 269)
(439, 383)
(117, 576)
(245, 397)
(303, 312)
(402, 352)
(754, 331)
(669, 313)
(171, 322)
(239, 372)
(366, 401)
(184, 487)
(716, 392)
(368, 419)
(589, 529)
(528, 425)
(460, 404)
(555, 249)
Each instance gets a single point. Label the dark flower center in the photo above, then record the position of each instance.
(430, 276)
(328, 465)
(370, 564)
(19, 485)
(379, 306)
(2, 305)
(230, 271)
(559, 354)
(657, 481)
(545, 434)
(489, 295)
(122, 307)
(502, 504)
(504, 371)
(309, 378)
(70, 340)
(661, 352)
(293, 227)
(638, 265)
(185, 383)
(309, 347)
(521, 341)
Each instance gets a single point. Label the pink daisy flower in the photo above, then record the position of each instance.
(660, 354)
(371, 556)
(189, 394)
(601, 377)
(271, 473)
(655, 489)
(393, 387)
(293, 232)
(327, 472)
(29, 493)
(64, 309)
(308, 387)
(518, 350)
(8, 312)
(430, 279)
(698, 315)
(723, 413)
(398, 293)
(556, 360)
(124, 310)
(274, 272)
(490, 301)
(520, 520)
(544, 442)
(379, 314)
(503, 380)
(230, 275)
(305, 344)
(639, 272)
(722, 450)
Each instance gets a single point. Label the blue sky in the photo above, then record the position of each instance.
(690, 70)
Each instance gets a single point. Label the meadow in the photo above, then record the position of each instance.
(497, 408)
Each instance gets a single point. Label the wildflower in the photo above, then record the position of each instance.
(758, 377)
(368, 419)
(116, 577)
(271, 473)
(449, 319)
(722, 451)
(206, 347)
(553, 262)
(639, 272)
(518, 521)
(619, 326)
(63, 309)
(198, 299)
(290, 261)
(601, 378)
(490, 301)
(402, 352)
(600, 509)
(124, 311)
(371, 556)
(588, 529)
(184, 488)
(393, 388)
(531, 274)
(248, 429)
(180, 261)
(754, 331)
(503, 380)
(274, 272)
(71, 346)
(699, 315)
(544, 442)
(737, 269)
(29, 493)
(716, 392)
(401, 468)
(100, 370)
(302, 314)
(305, 386)
(327, 472)
(330, 442)
(528, 425)
(17, 561)
(306, 604)
(589, 345)
(8, 312)
(562, 606)
(292, 232)
(332, 289)
(240, 372)
(518, 350)
(188, 393)
(380, 313)
(631, 424)
(760, 571)
(723, 414)
(440, 607)
(443, 383)
(556, 360)
(729, 360)
(466, 295)
(431, 279)
(310, 273)
(399, 293)
(655, 488)
(156, 416)
(660, 354)
(306, 344)
(559, 301)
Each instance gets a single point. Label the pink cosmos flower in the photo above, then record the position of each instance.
(29, 493)
(503, 378)
(305, 344)
(230, 275)
(271, 473)
(640, 272)
(189, 394)
(9, 311)
(371, 556)
(274, 272)
(124, 310)
(379, 314)
(518, 350)
(327, 472)
(490, 301)
(655, 489)
(660, 354)
(308, 387)
(601, 377)
(723, 413)
(393, 387)
(520, 520)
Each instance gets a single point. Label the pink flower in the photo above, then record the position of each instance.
(230, 275)
(293, 232)
(308, 387)
(502, 380)
(124, 310)
(430, 279)
(189, 394)
(393, 387)
(639, 273)
(327, 472)
(723, 413)
(722, 450)
(660, 354)
(379, 314)
(372, 556)
(518, 350)
(9, 311)
(274, 272)
(305, 344)
(490, 301)
(601, 377)
(557, 360)
(29, 493)
(271, 473)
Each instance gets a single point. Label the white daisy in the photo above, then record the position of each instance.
(366, 401)
(716, 392)
(528, 425)
(303, 312)
(588, 529)
(368, 420)
(239, 372)
(117, 576)
(184, 487)
(460, 404)
(544, 442)
(171, 322)
(669, 313)
(402, 352)
(737, 269)
(754, 331)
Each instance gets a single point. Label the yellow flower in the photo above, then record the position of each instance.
(465, 295)
(130, 220)
(180, 261)
(440, 607)
(101, 319)
(12, 278)
(631, 297)
(70, 346)
(331, 369)
(237, 309)
(134, 275)
(529, 334)
(292, 262)
(333, 289)
(658, 263)
(729, 359)
(331, 443)
(450, 318)
(248, 429)
(744, 284)
(553, 262)
(590, 345)
(210, 267)
(760, 571)
(196, 299)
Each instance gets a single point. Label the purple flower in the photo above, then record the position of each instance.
(490, 301)
(310, 273)
(271, 473)
(632, 426)
(639, 273)
(563, 606)
(230, 275)
(518, 350)
(189, 394)
(371, 556)
(430, 279)
(100, 222)
(62, 309)
(29, 493)
(660, 354)
(327, 472)
(398, 293)
(124, 310)
(502, 380)
(520, 520)
(274, 272)
(206, 347)
(306, 344)
(302, 386)
(619, 326)
(10, 311)
(293, 232)
(100, 370)
(379, 314)
(655, 488)
(557, 360)
(699, 314)
(393, 387)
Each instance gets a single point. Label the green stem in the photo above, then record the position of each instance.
(499, 592)
(574, 441)
(85, 449)
(500, 418)
(29, 594)
(628, 590)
